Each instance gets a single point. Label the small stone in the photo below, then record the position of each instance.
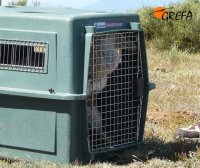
(137, 164)
(173, 86)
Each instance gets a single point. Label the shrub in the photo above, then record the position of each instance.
(18, 3)
(184, 34)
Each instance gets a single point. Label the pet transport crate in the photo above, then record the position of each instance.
(73, 83)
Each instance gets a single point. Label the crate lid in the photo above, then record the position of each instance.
(41, 11)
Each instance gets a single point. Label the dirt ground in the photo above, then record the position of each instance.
(167, 116)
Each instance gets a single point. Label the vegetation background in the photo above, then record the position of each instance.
(173, 49)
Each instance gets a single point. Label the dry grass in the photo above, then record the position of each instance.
(174, 104)
(177, 76)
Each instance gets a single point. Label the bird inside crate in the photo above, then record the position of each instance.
(115, 62)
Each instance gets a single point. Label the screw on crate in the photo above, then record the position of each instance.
(52, 91)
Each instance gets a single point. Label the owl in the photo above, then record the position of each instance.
(105, 59)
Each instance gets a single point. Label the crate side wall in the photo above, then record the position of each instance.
(66, 119)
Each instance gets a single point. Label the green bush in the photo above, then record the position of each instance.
(183, 34)
(18, 3)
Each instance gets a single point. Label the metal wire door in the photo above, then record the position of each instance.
(114, 90)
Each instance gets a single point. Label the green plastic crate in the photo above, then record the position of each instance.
(73, 83)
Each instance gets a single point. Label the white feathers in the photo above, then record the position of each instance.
(96, 85)
(105, 61)
(106, 58)
(95, 118)
(111, 56)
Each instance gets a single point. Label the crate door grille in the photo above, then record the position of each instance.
(114, 99)
(23, 55)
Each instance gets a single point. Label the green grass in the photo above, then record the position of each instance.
(18, 3)
(177, 77)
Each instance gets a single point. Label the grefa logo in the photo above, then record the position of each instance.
(168, 14)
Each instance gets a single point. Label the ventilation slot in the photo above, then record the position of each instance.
(23, 55)
(115, 90)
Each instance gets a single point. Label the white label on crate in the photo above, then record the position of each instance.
(103, 25)
(100, 25)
